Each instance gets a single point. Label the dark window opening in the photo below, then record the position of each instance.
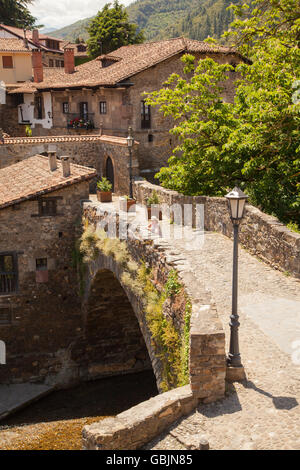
(47, 206)
(150, 137)
(39, 107)
(51, 63)
(7, 62)
(41, 264)
(8, 273)
(57, 63)
(145, 115)
(60, 234)
(65, 108)
(5, 316)
(103, 107)
(83, 109)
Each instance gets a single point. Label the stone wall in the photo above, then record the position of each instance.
(91, 151)
(263, 235)
(46, 311)
(9, 118)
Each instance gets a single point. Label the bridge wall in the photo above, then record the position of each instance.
(261, 234)
(207, 363)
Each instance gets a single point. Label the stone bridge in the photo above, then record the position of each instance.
(205, 381)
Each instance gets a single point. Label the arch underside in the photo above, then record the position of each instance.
(113, 341)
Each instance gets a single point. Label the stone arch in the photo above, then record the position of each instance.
(121, 343)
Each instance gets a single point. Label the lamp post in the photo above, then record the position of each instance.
(130, 142)
(236, 204)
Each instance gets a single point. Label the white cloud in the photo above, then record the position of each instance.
(60, 13)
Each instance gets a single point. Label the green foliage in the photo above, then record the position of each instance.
(153, 199)
(79, 266)
(28, 131)
(253, 142)
(162, 19)
(171, 346)
(293, 227)
(16, 13)
(173, 285)
(111, 29)
(104, 185)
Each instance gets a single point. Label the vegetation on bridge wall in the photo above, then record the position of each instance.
(170, 344)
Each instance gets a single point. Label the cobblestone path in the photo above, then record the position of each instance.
(264, 412)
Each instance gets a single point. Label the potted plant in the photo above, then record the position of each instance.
(153, 200)
(126, 202)
(104, 193)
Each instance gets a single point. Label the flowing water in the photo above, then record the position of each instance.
(55, 422)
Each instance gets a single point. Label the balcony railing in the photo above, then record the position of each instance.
(8, 283)
(83, 121)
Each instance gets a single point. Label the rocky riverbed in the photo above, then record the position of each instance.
(56, 421)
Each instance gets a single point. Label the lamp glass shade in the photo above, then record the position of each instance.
(130, 141)
(236, 203)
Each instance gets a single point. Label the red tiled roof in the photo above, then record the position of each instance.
(130, 61)
(13, 45)
(20, 34)
(32, 177)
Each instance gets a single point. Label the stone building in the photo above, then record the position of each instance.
(40, 207)
(107, 94)
(50, 47)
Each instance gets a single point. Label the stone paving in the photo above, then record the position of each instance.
(263, 412)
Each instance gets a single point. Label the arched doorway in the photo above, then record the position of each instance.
(109, 172)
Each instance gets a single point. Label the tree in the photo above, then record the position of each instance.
(110, 29)
(16, 13)
(254, 141)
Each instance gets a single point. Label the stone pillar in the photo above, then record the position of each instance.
(52, 161)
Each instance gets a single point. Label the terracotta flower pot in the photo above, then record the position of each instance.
(154, 213)
(104, 196)
(130, 202)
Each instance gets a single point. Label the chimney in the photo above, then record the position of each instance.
(69, 60)
(52, 161)
(35, 36)
(66, 169)
(37, 65)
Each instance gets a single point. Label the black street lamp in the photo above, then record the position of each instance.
(236, 204)
(130, 142)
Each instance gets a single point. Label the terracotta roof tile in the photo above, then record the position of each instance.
(32, 177)
(130, 61)
(13, 45)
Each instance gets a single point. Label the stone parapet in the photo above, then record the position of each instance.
(263, 235)
(135, 427)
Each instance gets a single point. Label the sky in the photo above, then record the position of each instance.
(57, 13)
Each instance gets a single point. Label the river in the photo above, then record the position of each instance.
(55, 422)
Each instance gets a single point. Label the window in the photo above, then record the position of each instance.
(57, 63)
(83, 109)
(7, 61)
(8, 273)
(39, 107)
(65, 108)
(51, 63)
(103, 107)
(150, 137)
(145, 116)
(62, 63)
(41, 264)
(47, 206)
(5, 316)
